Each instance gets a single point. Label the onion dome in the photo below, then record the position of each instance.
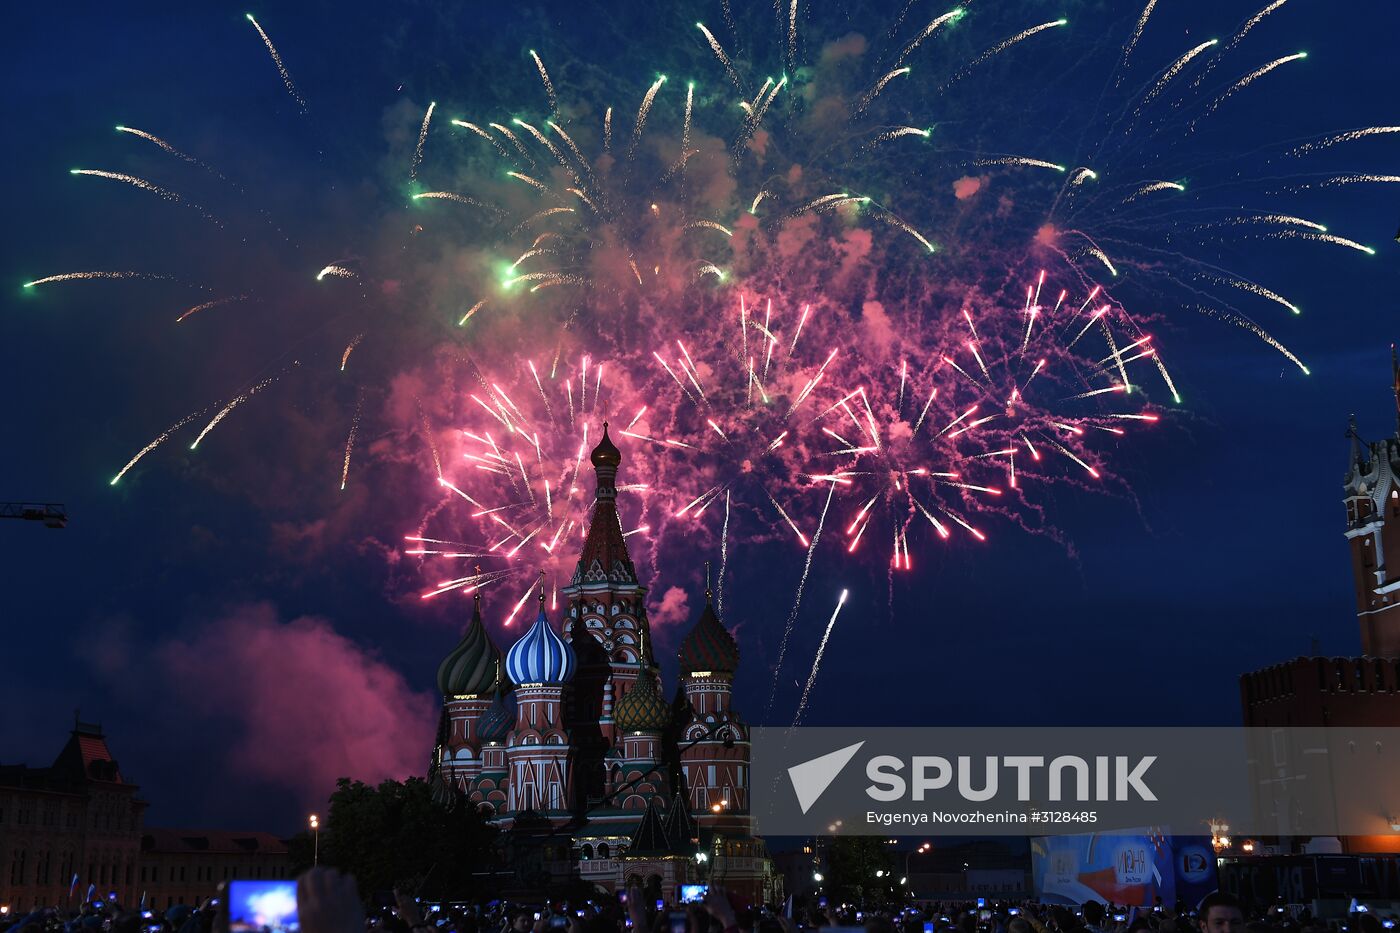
(541, 656)
(473, 665)
(643, 709)
(709, 646)
(496, 721)
(606, 453)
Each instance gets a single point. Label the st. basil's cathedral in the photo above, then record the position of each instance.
(567, 743)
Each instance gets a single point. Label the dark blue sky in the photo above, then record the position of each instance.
(1229, 557)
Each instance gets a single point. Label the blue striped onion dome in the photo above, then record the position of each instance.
(497, 721)
(643, 709)
(471, 667)
(541, 656)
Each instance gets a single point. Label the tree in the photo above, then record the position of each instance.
(852, 864)
(395, 835)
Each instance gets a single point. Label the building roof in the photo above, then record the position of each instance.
(643, 709)
(709, 646)
(84, 758)
(210, 842)
(473, 666)
(650, 837)
(541, 656)
(604, 558)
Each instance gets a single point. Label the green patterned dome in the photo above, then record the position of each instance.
(709, 646)
(643, 709)
(472, 666)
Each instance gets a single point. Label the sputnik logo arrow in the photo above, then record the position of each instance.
(811, 778)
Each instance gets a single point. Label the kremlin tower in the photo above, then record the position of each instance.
(568, 742)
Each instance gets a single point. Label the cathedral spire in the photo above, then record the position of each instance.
(605, 556)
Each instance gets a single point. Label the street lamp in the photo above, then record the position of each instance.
(817, 877)
(315, 839)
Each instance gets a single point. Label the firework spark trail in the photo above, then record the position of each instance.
(422, 140)
(817, 662)
(1242, 321)
(350, 441)
(88, 276)
(277, 60)
(161, 439)
(928, 30)
(792, 36)
(350, 348)
(495, 143)
(452, 196)
(724, 549)
(210, 304)
(144, 185)
(236, 401)
(874, 92)
(1175, 70)
(647, 100)
(1256, 289)
(548, 84)
(470, 311)
(797, 602)
(723, 58)
(1287, 220)
(1321, 238)
(1357, 179)
(334, 271)
(1245, 82)
(177, 153)
(1154, 187)
(1102, 257)
(1021, 161)
(1002, 46)
(1136, 37)
(898, 132)
(1348, 136)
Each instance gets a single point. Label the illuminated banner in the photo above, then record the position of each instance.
(1059, 781)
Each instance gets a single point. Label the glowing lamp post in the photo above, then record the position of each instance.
(315, 839)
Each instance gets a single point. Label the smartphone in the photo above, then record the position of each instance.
(981, 902)
(1014, 911)
(928, 926)
(537, 915)
(1157, 909)
(147, 914)
(694, 893)
(579, 913)
(558, 922)
(1388, 924)
(1120, 918)
(821, 902)
(257, 906)
(622, 897)
(860, 915)
(984, 914)
(677, 919)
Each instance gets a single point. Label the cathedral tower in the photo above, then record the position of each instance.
(1371, 492)
(467, 679)
(605, 623)
(539, 753)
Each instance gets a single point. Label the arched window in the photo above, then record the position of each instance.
(587, 851)
(603, 850)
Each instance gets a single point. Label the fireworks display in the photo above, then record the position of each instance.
(835, 292)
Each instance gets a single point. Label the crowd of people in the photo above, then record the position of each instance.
(328, 901)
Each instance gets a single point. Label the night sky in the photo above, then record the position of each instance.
(245, 632)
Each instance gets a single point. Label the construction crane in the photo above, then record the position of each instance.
(52, 514)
